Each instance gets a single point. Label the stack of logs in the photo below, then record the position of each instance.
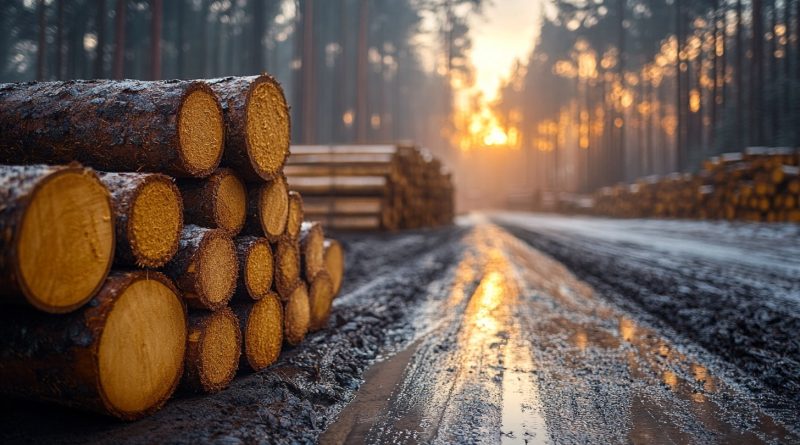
(364, 187)
(120, 283)
(761, 184)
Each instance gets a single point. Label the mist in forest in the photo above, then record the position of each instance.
(609, 90)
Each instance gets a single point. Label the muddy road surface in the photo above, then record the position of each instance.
(506, 329)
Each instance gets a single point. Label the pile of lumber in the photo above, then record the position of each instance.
(760, 184)
(368, 187)
(149, 242)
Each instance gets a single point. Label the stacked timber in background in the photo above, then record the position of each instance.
(385, 187)
(193, 270)
(761, 184)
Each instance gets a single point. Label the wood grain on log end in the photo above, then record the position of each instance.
(213, 351)
(56, 236)
(295, 215)
(149, 217)
(205, 267)
(320, 298)
(219, 201)
(87, 359)
(312, 242)
(257, 125)
(262, 328)
(256, 266)
(297, 315)
(334, 263)
(287, 267)
(201, 132)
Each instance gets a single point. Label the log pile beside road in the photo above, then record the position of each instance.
(371, 187)
(760, 184)
(149, 241)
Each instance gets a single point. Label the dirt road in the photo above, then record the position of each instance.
(471, 334)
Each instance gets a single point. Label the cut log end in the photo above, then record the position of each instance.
(320, 298)
(201, 132)
(334, 263)
(65, 243)
(218, 270)
(155, 223)
(230, 203)
(213, 353)
(258, 270)
(267, 127)
(137, 380)
(297, 315)
(263, 334)
(312, 241)
(274, 208)
(295, 219)
(287, 267)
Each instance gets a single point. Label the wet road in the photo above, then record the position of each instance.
(524, 352)
(500, 330)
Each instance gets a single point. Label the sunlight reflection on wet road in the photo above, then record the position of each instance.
(523, 352)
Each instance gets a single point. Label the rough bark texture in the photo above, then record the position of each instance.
(287, 267)
(194, 377)
(200, 200)
(124, 188)
(244, 246)
(295, 215)
(109, 125)
(234, 94)
(55, 358)
(312, 243)
(185, 269)
(17, 186)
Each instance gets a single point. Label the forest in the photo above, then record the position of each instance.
(616, 90)
(352, 70)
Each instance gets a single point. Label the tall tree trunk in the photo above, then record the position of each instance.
(100, 27)
(739, 77)
(157, 9)
(774, 106)
(59, 39)
(679, 134)
(714, 75)
(622, 173)
(757, 77)
(119, 46)
(258, 36)
(179, 43)
(41, 49)
(309, 78)
(362, 78)
(723, 75)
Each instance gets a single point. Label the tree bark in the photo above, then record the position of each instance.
(171, 127)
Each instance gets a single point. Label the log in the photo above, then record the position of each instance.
(213, 350)
(268, 210)
(257, 125)
(295, 219)
(148, 215)
(320, 298)
(172, 127)
(121, 355)
(312, 240)
(334, 263)
(287, 267)
(219, 201)
(56, 236)
(262, 328)
(256, 267)
(297, 315)
(205, 267)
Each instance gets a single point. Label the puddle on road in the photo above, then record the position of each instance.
(523, 421)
